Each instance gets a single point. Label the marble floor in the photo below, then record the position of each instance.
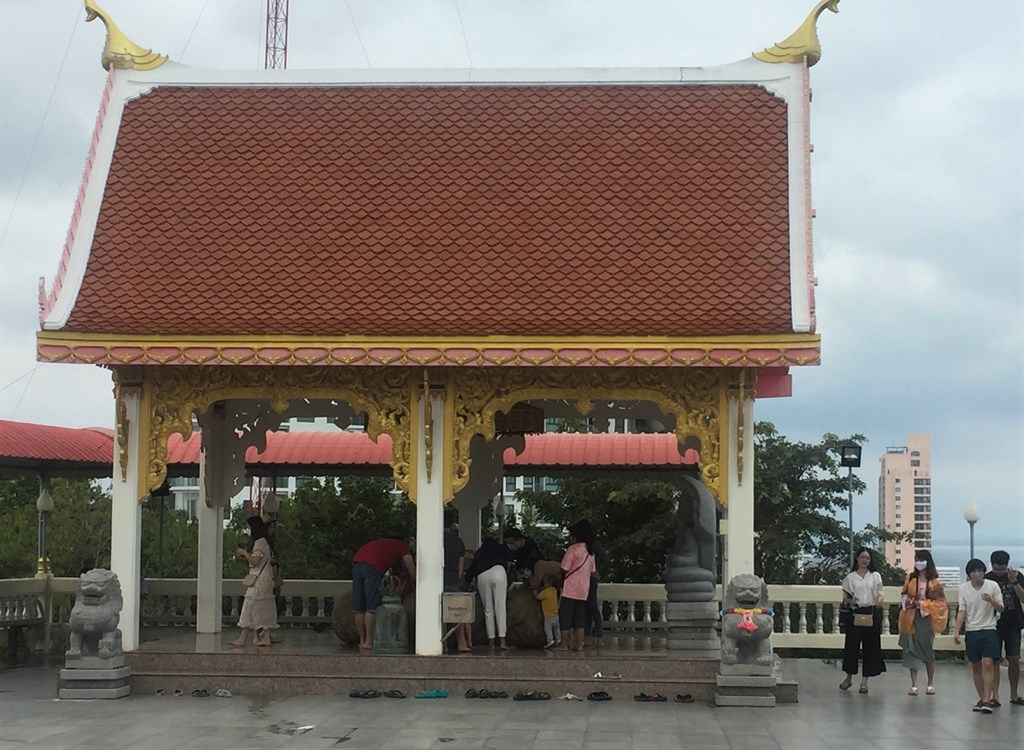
(825, 719)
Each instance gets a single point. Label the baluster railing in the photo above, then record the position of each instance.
(801, 626)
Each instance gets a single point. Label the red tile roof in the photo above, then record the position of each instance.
(314, 448)
(36, 446)
(603, 449)
(444, 210)
(47, 445)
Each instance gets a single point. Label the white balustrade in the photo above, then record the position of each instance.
(629, 607)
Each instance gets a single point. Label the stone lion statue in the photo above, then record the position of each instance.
(747, 622)
(95, 616)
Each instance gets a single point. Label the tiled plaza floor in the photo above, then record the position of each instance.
(825, 719)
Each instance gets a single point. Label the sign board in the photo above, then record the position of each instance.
(458, 607)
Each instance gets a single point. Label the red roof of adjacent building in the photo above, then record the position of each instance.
(35, 446)
(556, 210)
(43, 445)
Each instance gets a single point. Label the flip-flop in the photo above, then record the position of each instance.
(200, 694)
(1017, 702)
(863, 689)
(223, 693)
(394, 694)
(528, 696)
(178, 693)
(598, 696)
(432, 694)
(500, 694)
(609, 676)
(912, 691)
(930, 690)
(569, 697)
(160, 691)
(683, 698)
(484, 694)
(472, 693)
(653, 698)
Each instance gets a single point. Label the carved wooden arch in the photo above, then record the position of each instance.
(694, 396)
(171, 394)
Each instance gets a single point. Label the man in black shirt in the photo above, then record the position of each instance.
(1008, 628)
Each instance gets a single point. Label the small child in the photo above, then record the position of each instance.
(548, 597)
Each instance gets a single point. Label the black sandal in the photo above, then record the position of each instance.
(683, 698)
(598, 695)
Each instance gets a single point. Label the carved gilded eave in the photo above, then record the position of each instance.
(768, 350)
(802, 45)
(119, 51)
(695, 398)
(692, 396)
(173, 394)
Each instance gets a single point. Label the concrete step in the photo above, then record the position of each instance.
(326, 674)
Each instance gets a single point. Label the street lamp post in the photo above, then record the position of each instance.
(971, 514)
(849, 456)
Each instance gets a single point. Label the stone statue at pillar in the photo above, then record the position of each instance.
(747, 622)
(690, 574)
(95, 616)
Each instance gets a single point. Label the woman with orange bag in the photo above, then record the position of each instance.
(923, 613)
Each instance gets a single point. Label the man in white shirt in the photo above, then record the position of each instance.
(979, 602)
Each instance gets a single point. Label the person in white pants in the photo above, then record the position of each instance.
(490, 569)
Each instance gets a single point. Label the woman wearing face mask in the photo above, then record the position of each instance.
(923, 613)
(259, 610)
(862, 589)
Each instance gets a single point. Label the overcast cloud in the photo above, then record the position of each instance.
(917, 120)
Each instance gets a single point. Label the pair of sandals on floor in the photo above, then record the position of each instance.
(376, 694)
(487, 694)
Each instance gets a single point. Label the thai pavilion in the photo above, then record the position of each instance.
(449, 252)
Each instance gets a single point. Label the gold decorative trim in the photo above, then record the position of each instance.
(746, 391)
(121, 433)
(803, 43)
(172, 394)
(428, 427)
(692, 396)
(769, 350)
(119, 51)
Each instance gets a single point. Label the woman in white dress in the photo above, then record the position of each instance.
(862, 589)
(259, 610)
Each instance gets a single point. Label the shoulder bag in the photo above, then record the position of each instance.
(250, 579)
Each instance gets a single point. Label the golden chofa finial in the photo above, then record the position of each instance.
(803, 43)
(120, 51)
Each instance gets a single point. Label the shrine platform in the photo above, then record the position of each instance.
(310, 663)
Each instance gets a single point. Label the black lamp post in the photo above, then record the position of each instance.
(849, 456)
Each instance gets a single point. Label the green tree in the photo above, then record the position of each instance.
(174, 551)
(78, 529)
(322, 525)
(799, 488)
(634, 520)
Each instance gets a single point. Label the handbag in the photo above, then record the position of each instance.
(250, 579)
(864, 617)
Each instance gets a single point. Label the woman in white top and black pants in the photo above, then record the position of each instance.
(862, 589)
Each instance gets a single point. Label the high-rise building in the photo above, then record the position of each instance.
(905, 498)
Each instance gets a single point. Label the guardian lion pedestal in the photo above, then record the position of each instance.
(94, 662)
(746, 674)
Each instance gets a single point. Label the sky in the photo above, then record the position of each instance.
(917, 177)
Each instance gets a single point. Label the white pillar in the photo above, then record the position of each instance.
(430, 529)
(740, 538)
(210, 583)
(126, 519)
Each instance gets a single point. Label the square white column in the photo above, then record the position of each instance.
(430, 530)
(126, 519)
(210, 581)
(739, 544)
